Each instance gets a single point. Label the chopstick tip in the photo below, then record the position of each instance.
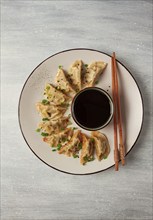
(123, 162)
(116, 166)
(114, 55)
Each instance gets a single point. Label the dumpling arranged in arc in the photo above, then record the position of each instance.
(55, 126)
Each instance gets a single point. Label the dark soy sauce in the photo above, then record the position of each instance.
(92, 108)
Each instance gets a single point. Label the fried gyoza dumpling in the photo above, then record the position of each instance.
(101, 144)
(75, 74)
(73, 146)
(54, 126)
(48, 111)
(93, 71)
(87, 150)
(63, 83)
(59, 139)
(55, 96)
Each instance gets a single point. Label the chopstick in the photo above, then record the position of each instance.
(117, 115)
(116, 153)
(121, 145)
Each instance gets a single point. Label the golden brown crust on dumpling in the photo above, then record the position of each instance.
(87, 150)
(101, 145)
(55, 96)
(72, 147)
(60, 138)
(50, 111)
(75, 74)
(93, 71)
(63, 83)
(54, 126)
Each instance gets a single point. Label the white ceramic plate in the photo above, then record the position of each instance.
(131, 103)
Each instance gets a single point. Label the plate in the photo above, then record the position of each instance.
(32, 92)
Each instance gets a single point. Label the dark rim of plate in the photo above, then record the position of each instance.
(21, 97)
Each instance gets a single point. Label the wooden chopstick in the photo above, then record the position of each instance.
(119, 115)
(116, 153)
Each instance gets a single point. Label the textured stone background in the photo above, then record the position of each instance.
(32, 31)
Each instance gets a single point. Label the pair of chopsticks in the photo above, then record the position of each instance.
(119, 152)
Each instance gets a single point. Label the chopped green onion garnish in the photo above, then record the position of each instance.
(75, 156)
(38, 129)
(85, 158)
(65, 105)
(45, 102)
(45, 119)
(62, 129)
(92, 140)
(91, 159)
(64, 139)
(48, 87)
(44, 134)
(80, 146)
(74, 128)
(59, 146)
(54, 150)
(60, 66)
(105, 157)
(86, 65)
